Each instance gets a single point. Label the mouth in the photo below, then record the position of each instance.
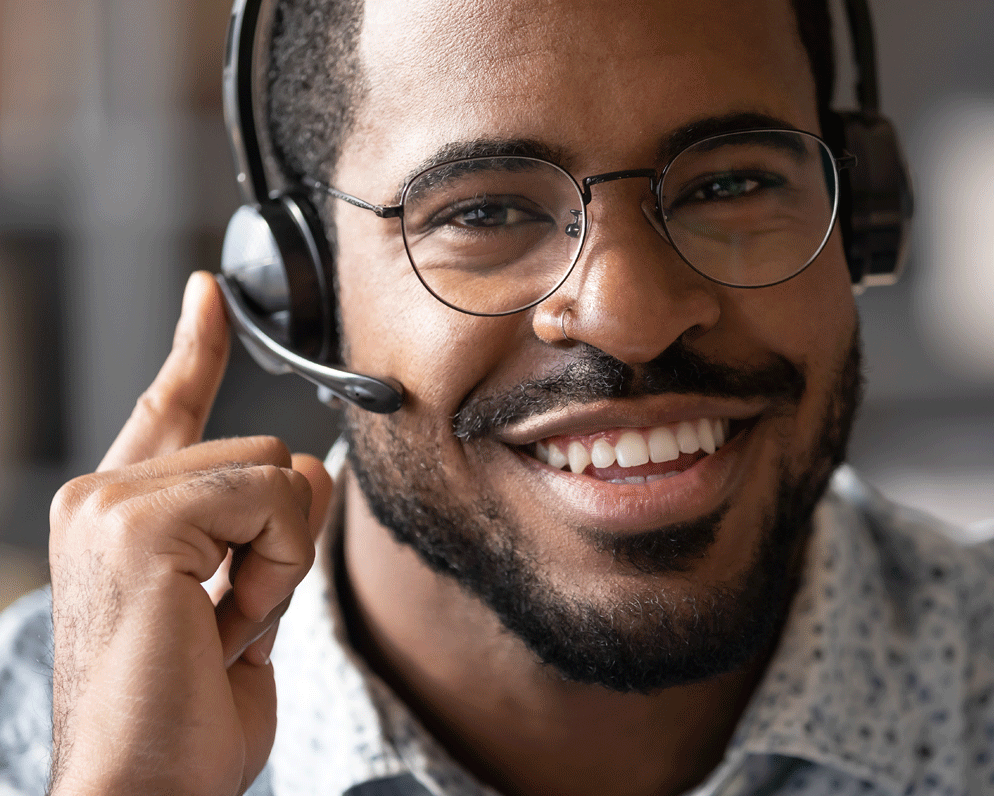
(637, 456)
(628, 467)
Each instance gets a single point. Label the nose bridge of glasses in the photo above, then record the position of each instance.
(611, 176)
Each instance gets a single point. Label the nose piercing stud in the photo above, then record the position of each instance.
(562, 324)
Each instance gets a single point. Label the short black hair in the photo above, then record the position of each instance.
(316, 83)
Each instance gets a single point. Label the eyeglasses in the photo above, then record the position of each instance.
(497, 235)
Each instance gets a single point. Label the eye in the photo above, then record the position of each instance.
(727, 187)
(493, 213)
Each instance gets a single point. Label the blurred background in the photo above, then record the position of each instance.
(116, 183)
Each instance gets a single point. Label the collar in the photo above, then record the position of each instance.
(868, 677)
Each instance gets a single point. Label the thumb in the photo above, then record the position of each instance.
(172, 412)
(322, 487)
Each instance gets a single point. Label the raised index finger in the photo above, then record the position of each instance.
(172, 412)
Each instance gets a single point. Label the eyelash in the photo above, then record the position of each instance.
(763, 180)
(450, 212)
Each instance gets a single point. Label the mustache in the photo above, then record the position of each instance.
(596, 376)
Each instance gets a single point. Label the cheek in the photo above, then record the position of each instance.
(809, 319)
(392, 326)
(823, 313)
(375, 287)
(818, 337)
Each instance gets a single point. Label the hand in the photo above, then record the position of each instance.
(159, 685)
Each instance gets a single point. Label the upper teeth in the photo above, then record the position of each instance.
(636, 447)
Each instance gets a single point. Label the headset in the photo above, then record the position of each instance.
(276, 268)
(277, 272)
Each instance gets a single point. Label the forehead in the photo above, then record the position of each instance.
(597, 77)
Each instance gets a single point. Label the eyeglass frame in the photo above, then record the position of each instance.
(583, 187)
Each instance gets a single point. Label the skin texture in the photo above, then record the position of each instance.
(162, 686)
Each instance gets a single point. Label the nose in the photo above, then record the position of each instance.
(630, 294)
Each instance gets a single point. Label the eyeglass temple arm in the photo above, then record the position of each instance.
(383, 211)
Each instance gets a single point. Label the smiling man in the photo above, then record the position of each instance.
(633, 568)
(595, 550)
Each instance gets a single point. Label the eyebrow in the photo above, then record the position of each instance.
(683, 137)
(771, 139)
(672, 143)
(486, 148)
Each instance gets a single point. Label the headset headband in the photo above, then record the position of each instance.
(864, 56)
(243, 94)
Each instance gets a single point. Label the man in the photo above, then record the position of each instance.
(588, 554)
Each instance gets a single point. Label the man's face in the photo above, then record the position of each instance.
(694, 560)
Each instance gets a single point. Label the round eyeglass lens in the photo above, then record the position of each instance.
(492, 236)
(751, 208)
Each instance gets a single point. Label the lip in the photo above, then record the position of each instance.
(643, 413)
(633, 508)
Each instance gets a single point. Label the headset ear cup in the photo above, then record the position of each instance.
(312, 290)
(280, 266)
(877, 204)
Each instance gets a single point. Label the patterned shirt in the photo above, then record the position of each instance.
(882, 683)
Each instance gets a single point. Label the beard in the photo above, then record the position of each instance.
(649, 638)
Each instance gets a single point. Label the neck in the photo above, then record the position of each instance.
(512, 721)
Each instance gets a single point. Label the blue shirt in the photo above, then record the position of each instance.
(882, 683)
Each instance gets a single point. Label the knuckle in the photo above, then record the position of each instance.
(225, 477)
(299, 481)
(102, 500)
(272, 477)
(151, 403)
(117, 526)
(159, 406)
(87, 515)
(69, 499)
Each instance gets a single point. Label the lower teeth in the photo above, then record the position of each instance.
(670, 474)
(638, 479)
